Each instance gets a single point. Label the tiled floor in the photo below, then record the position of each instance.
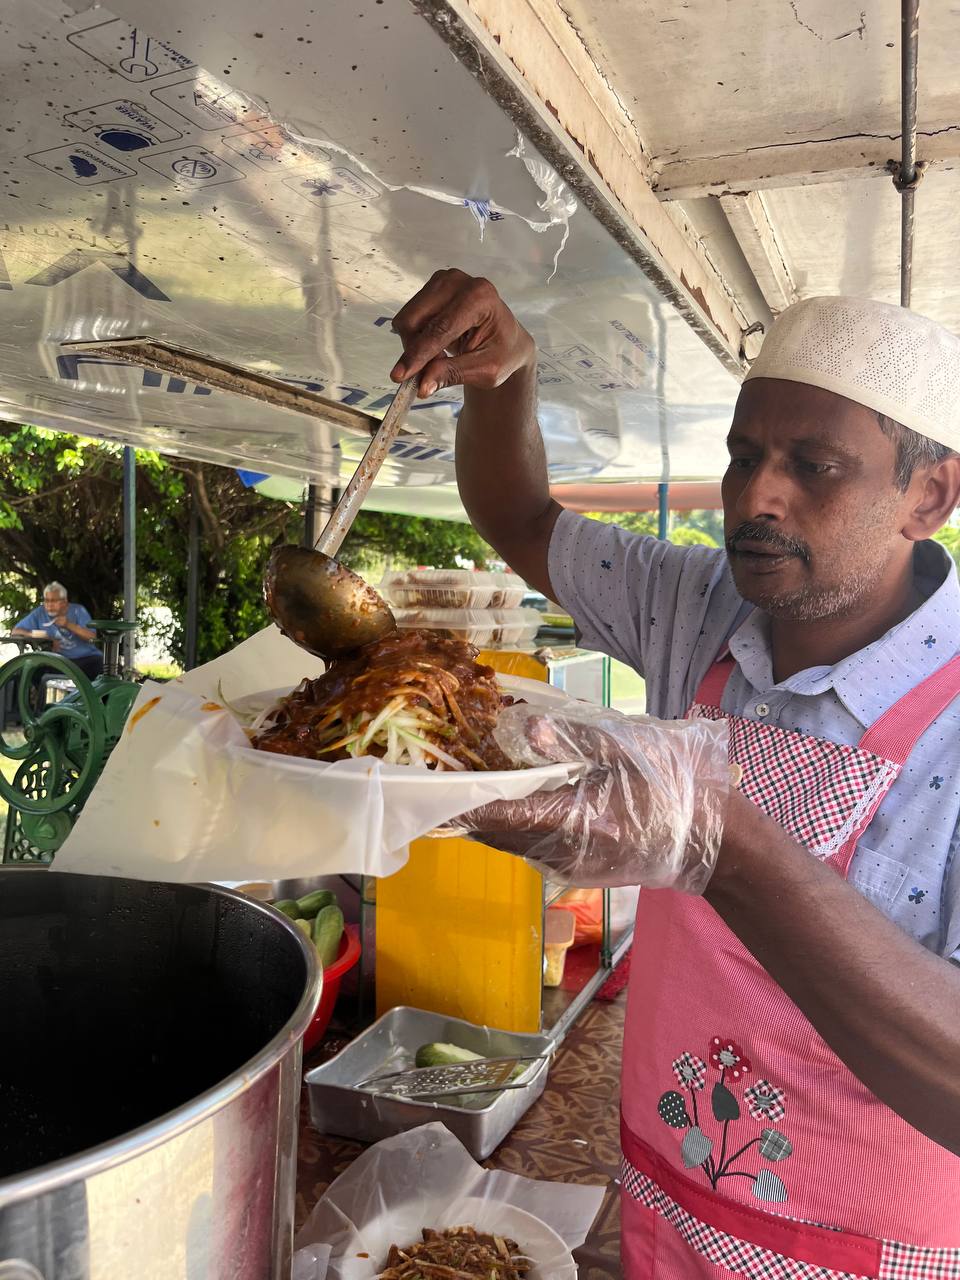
(570, 1135)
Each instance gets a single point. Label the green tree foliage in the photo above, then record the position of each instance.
(411, 541)
(706, 528)
(60, 518)
(57, 515)
(699, 528)
(950, 537)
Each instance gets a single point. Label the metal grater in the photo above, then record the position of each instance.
(486, 1075)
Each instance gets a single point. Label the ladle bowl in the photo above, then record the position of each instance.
(317, 602)
(321, 605)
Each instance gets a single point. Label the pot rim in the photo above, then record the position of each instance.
(116, 1151)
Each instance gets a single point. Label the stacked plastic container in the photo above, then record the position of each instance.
(481, 608)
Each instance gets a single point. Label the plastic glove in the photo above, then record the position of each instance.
(647, 810)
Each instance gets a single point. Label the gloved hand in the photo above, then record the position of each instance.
(648, 808)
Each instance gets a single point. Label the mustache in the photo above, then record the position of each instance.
(780, 543)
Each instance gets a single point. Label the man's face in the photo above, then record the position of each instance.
(55, 605)
(812, 513)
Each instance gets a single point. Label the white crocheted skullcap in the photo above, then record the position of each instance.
(882, 356)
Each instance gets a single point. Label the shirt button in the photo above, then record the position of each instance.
(762, 709)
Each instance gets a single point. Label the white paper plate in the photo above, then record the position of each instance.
(403, 1225)
(185, 797)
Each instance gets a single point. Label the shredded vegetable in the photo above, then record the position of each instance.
(462, 1253)
(415, 697)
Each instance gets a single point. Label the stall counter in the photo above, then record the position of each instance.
(571, 1134)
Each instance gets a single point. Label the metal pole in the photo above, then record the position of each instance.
(663, 488)
(908, 175)
(193, 585)
(310, 530)
(129, 551)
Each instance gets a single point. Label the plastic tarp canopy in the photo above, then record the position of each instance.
(268, 187)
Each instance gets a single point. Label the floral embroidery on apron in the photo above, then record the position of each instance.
(709, 1144)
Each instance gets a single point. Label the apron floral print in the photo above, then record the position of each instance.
(758, 1153)
(709, 1151)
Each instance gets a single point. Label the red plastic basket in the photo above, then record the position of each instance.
(333, 975)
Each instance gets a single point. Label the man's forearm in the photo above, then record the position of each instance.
(887, 1007)
(502, 473)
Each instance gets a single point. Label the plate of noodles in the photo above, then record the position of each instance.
(239, 780)
(414, 698)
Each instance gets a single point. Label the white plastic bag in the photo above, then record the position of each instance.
(184, 797)
(425, 1178)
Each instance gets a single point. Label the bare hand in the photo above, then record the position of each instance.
(458, 331)
(57, 646)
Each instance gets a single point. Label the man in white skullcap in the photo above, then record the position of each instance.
(791, 1062)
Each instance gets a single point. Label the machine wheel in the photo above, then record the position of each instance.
(63, 746)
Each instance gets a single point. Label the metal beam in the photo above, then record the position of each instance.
(129, 551)
(311, 529)
(909, 174)
(797, 164)
(532, 62)
(750, 222)
(193, 585)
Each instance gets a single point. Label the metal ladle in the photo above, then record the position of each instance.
(316, 601)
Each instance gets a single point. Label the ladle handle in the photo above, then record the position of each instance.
(351, 500)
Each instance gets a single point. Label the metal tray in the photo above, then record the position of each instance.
(338, 1107)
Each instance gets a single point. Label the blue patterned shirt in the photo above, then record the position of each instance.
(71, 646)
(668, 611)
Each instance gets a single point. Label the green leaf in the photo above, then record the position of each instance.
(725, 1105)
(673, 1110)
(775, 1145)
(767, 1186)
(695, 1148)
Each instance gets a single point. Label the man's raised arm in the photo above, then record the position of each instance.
(458, 331)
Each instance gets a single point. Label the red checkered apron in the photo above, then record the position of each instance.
(749, 1148)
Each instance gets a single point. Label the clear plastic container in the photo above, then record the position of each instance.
(452, 589)
(486, 628)
(558, 934)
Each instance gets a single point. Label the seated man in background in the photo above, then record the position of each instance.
(68, 626)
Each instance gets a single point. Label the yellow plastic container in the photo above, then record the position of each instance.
(460, 929)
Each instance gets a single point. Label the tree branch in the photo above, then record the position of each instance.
(210, 522)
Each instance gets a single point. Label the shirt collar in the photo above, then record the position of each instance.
(872, 679)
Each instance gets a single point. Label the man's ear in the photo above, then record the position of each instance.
(934, 495)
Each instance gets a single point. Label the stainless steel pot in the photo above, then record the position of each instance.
(149, 1079)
